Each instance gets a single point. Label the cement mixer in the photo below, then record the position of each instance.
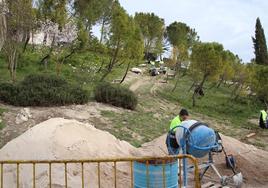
(197, 139)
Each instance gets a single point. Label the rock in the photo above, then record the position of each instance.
(136, 70)
(23, 116)
(143, 65)
(27, 112)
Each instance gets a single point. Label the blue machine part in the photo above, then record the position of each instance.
(201, 140)
(198, 138)
(155, 177)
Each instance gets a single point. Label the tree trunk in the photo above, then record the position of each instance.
(112, 61)
(100, 69)
(193, 98)
(235, 90)
(191, 86)
(238, 92)
(197, 90)
(220, 82)
(125, 72)
(102, 30)
(266, 104)
(108, 70)
(12, 64)
(3, 27)
(175, 86)
(26, 41)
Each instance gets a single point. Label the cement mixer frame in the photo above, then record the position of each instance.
(216, 147)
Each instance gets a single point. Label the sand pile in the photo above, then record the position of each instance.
(64, 139)
(69, 139)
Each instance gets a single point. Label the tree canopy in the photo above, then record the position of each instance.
(259, 41)
(152, 28)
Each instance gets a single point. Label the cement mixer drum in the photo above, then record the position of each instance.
(200, 139)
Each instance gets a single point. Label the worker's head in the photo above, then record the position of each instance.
(184, 115)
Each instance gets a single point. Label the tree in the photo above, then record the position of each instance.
(227, 72)
(18, 23)
(206, 61)
(261, 53)
(54, 11)
(182, 38)
(123, 39)
(241, 78)
(134, 49)
(52, 18)
(152, 29)
(63, 50)
(2, 23)
(260, 81)
(92, 11)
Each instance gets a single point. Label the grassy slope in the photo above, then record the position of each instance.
(149, 120)
(80, 69)
(216, 103)
(1, 123)
(154, 112)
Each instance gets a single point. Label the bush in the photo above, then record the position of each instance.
(42, 90)
(116, 95)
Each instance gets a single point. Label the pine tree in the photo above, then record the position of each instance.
(260, 44)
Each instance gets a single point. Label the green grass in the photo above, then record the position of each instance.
(145, 125)
(82, 68)
(2, 125)
(216, 103)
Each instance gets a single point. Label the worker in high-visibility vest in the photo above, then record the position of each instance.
(263, 119)
(171, 138)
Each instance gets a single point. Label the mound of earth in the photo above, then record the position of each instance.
(59, 139)
(65, 139)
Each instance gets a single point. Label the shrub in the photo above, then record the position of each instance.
(115, 95)
(42, 90)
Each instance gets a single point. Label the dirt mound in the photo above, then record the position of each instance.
(69, 139)
(64, 139)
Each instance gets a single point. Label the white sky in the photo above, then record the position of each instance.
(230, 22)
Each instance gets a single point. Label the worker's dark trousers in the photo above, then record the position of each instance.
(263, 124)
(171, 144)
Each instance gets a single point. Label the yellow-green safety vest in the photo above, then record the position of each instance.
(175, 122)
(264, 115)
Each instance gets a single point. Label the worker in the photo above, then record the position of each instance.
(171, 138)
(263, 122)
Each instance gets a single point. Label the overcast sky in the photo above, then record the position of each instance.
(230, 22)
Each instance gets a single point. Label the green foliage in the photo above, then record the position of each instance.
(216, 103)
(260, 82)
(181, 35)
(261, 53)
(42, 90)
(123, 39)
(182, 38)
(18, 27)
(53, 10)
(227, 71)
(1, 121)
(152, 28)
(206, 60)
(92, 11)
(116, 95)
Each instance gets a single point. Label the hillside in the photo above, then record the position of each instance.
(156, 107)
